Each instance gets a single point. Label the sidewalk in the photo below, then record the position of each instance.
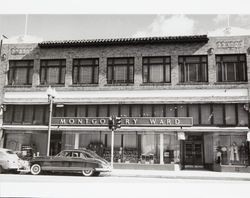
(183, 174)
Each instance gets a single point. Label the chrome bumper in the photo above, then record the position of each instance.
(103, 169)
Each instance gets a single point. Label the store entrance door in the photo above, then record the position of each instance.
(55, 143)
(193, 152)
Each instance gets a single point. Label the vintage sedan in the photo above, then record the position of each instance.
(10, 162)
(76, 160)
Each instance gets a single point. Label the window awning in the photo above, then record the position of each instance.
(130, 96)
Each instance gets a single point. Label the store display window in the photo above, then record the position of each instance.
(92, 111)
(113, 110)
(170, 110)
(125, 111)
(194, 112)
(206, 115)
(158, 110)
(147, 111)
(231, 150)
(181, 110)
(242, 115)
(26, 144)
(170, 149)
(151, 149)
(68, 141)
(218, 117)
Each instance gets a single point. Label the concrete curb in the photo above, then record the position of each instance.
(199, 175)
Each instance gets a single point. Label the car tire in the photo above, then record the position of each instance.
(1, 169)
(87, 173)
(35, 169)
(96, 174)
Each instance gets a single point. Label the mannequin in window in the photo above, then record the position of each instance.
(234, 153)
(243, 153)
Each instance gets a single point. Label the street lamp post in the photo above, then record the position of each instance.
(51, 95)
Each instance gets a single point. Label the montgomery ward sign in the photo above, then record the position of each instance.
(125, 121)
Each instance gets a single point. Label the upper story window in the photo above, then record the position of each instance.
(120, 70)
(20, 72)
(231, 68)
(52, 72)
(85, 71)
(193, 69)
(156, 69)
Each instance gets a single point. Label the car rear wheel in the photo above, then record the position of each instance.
(35, 169)
(87, 173)
(1, 169)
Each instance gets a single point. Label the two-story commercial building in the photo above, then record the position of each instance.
(184, 101)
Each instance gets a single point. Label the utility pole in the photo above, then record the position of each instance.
(51, 95)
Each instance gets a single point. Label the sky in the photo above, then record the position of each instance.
(96, 26)
(44, 22)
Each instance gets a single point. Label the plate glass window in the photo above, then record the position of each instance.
(231, 68)
(20, 72)
(193, 69)
(120, 70)
(156, 69)
(52, 72)
(85, 71)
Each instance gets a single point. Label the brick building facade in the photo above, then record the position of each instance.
(206, 79)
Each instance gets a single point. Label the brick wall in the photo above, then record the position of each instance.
(136, 51)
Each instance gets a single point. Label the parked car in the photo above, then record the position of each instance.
(10, 162)
(77, 160)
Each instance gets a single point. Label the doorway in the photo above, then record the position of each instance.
(55, 143)
(193, 152)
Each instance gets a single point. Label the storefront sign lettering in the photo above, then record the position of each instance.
(20, 51)
(229, 44)
(126, 121)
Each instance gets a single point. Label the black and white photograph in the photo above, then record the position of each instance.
(124, 103)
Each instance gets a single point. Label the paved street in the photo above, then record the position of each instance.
(118, 186)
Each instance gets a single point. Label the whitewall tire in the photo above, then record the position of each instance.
(87, 173)
(35, 169)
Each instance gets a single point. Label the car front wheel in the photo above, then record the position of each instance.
(87, 173)
(35, 169)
